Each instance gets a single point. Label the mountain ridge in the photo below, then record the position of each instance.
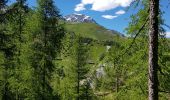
(86, 26)
(79, 18)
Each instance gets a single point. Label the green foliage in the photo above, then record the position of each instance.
(46, 45)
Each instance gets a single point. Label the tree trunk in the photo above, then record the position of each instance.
(153, 50)
(78, 69)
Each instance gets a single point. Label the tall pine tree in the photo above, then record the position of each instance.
(16, 26)
(46, 45)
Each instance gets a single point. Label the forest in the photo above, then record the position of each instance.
(44, 57)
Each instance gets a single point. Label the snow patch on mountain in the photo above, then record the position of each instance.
(79, 18)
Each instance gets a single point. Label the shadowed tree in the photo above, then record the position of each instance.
(5, 50)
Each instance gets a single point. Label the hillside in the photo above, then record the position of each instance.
(91, 30)
(86, 26)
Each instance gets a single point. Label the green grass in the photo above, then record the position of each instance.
(90, 30)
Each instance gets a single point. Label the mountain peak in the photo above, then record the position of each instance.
(79, 18)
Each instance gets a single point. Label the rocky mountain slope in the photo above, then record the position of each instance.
(79, 18)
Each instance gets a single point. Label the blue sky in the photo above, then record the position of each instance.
(112, 14)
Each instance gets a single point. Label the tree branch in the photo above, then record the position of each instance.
(164, 91)
(137, 34)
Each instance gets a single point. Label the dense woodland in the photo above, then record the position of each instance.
(41, 60)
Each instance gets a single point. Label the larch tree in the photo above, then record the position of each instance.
(151, 11)
(16, 26)
(82, 69)
(153, 50)
(6, 51)
(46, 45)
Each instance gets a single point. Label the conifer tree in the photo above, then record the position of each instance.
(5, 50)
(137, 21)
(65, 75)
(46, 46)
(17, 23)
(153, 50)
(82, 68)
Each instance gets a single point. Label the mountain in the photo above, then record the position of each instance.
(79, 18)
(91, 30)
(86, 26)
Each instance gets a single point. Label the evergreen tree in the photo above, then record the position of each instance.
(82, 68)
(73, 76)
(64, 77)
(6, 50)
(46, 45)
(133, 60)
(16, 25)
(138, 20)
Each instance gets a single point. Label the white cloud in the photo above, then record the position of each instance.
(120, 12)
(168, 34)
(103, 5)
(87, 2)
(80, 7)
(109, 16)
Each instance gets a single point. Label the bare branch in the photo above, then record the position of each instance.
(164, 91)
